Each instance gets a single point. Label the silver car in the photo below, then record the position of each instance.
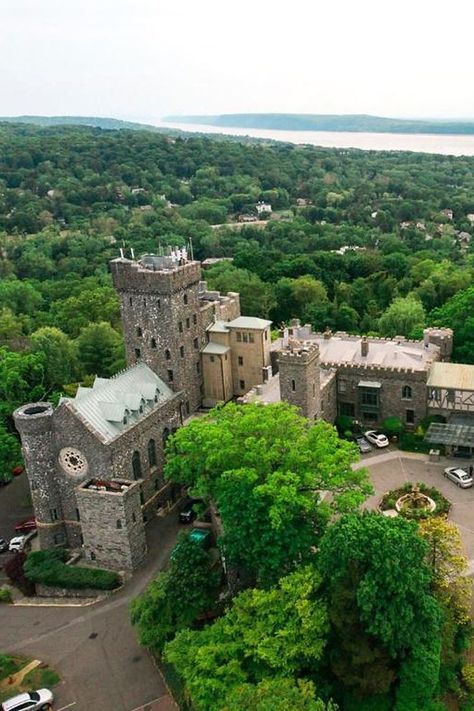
(39, 700)
(459, 476)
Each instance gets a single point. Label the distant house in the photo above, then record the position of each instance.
(463, 239)
(263, 207)
(447, 213)
(470, 217)
(210, 261)
(247, 218)
(303, 202)
(137, 191)
(374, 214)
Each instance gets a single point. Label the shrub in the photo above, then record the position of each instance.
(5, 595)
(467, 674)
(49, 568)
(344, 423)
(414, 443)
(14, 569)
(392, 426)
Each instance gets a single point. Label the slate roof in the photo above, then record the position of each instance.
(215, 348)
(112, 405)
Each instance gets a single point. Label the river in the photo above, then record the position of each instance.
(418, 142)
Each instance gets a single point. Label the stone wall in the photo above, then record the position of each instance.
(329, 398)
(300, 379)
(391, 400)
(113, 528)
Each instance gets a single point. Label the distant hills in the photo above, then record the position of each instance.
(110, 124)
(360, 123)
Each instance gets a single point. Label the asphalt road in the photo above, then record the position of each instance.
(93, 648)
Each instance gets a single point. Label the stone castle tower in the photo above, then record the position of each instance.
(300, 380)
(162, 320)
(34, 422)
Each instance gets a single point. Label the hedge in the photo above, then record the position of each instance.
(49, 568)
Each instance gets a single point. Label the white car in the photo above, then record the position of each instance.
(39, 700)
(18, 543)
(377, 438)
(459, 476)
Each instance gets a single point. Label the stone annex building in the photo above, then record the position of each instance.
(95, 462)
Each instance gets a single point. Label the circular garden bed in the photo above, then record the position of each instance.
(415, 501)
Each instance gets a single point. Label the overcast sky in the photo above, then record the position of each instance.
(148, 58)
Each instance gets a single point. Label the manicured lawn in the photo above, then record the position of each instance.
(39, 677)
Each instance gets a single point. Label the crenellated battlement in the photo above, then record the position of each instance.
(155, 277)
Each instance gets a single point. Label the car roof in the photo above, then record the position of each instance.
(459, 471)
(15, 701)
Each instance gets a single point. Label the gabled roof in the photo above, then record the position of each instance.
(112, 405)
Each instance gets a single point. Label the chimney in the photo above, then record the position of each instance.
(327, 333)
(364, 346)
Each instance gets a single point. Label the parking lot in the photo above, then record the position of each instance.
(400, 467)
(15, 506)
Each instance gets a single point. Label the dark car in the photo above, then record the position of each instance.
(3, 545)
(364, 446)
(26, 526)
(187, 512)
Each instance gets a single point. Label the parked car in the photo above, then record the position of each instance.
(18, 543)
(376, 437)
(25, 526)
(5, 480)
(364, 446)
(3, 545)
(39, 700)
(187, 514)
(459, 476)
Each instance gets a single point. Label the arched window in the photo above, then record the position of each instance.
(406, 392)
(136, 465)
(152, 453)
(153, 342)
(167, 355)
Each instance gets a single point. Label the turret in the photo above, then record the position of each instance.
(300, 377)
(34, 422)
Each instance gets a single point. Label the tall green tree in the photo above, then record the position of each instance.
(60, 355)
(266, 468)
(100, 350)
(403, 317)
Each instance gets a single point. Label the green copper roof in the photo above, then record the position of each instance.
(112, 405)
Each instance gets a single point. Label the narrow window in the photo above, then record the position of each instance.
(130, 301)
(238, 336)
(136, 465)
(118, 523)
(93, 555)
(198, 367)
(54, 514)
(167, 355)
(137, 353)
(165, 434)
(134, 518)
(78, 515)
(406, 392)
(180, 327)
(81, 538)
(144, 302)
(293, 385)
(240, 360)
(196, 343)
(251, 339)
(242, 384)
(266, 335)
(212, 359)
(157, 484)
(187, 407)
(158, 303)
(153, 342)
(170, 376)
(185, 298)
(195, 320)
(410, 417)
(188, 323)
(245, 337)
(152, 461)
(181, 351)
(142, 499)
(139, 332)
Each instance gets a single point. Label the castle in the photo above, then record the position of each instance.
(95, 462)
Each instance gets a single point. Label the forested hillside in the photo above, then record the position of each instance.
(71, 196)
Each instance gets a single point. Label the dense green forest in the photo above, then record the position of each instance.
(327, 122)
(360, 241)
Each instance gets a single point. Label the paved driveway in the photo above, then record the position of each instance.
(95, 648)
(393, 473)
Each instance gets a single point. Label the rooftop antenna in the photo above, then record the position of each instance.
(132, 252)
(191, 249)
